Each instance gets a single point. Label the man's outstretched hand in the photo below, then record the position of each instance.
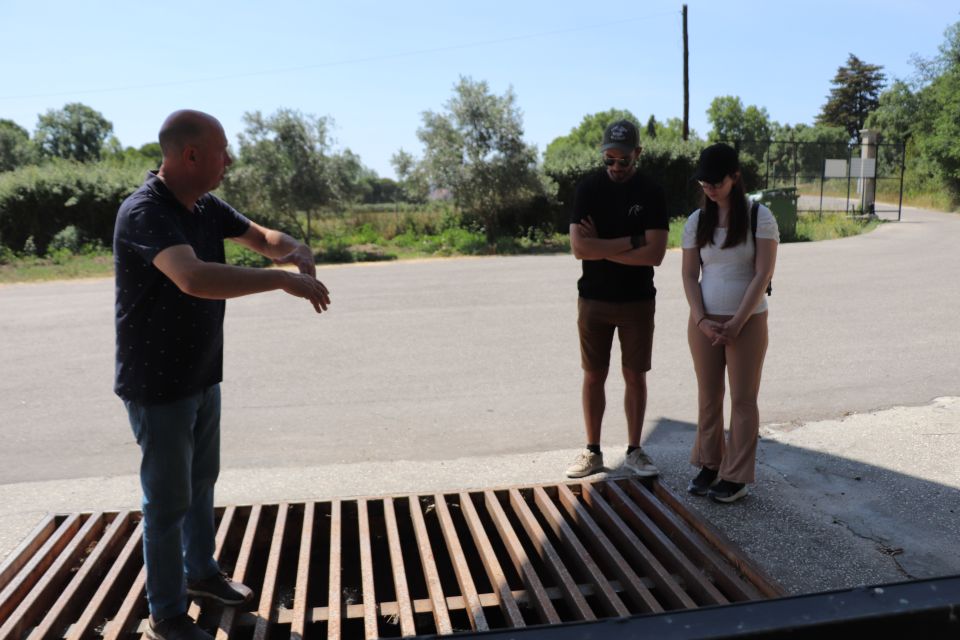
(304, 285)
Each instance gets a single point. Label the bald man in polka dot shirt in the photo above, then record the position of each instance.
(171, 287)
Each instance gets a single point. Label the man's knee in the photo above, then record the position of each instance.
(635, 379)
(594, 378)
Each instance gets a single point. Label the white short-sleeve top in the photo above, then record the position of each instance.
(726, 273)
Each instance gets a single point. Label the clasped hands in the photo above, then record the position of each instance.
(720, 333)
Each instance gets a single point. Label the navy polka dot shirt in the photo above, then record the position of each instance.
(169, 344)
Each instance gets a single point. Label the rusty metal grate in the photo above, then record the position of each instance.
(395, 566)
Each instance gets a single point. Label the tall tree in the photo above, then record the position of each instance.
(475, 148)
(749, 127)
(15, 146)
(411, 175)
(580, 149)
(283, 168)
(652, 127)
(855, 93)
(938, 128)
(76, 132)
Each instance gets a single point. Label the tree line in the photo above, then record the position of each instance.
(73, 171)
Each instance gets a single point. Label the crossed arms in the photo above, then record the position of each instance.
(587, 245)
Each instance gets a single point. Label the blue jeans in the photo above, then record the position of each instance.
(180, 442)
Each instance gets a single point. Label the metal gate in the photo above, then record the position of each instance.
(828, 175)
(395, 566)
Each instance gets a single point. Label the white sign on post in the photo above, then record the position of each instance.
(835, 168)
(869, 167)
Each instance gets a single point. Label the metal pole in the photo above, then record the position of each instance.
(766, 181)
(823, 177)
(903, 164)
(686, 79)
(849, 177)
(796, 145)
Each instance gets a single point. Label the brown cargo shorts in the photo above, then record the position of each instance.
(596, 320)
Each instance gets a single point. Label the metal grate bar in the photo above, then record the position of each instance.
(269, 590)
(20, 556)
(569, 540)
(505, 598)
(641, 596)
(334, 604)
(696, 582)
(636, 551)
(108, 586)
(227, 618)
(736, 590)
(119, 625)
(298, 626)
(226, 520)
(43, 593)
(440, 614)
(366, 572)
(535, 588)
(69, 600)
(21, 584)
(405, 611)
(549, 554)
(395, 565)
(763, 583)
(478, 621)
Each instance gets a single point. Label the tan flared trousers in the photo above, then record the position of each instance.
(742, 362)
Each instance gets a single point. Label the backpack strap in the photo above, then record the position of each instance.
(754, 210)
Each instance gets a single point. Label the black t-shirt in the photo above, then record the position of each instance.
(169, 344)
(618, 210)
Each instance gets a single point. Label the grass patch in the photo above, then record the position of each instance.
(367, 236)
(59, 267)
(812, 228)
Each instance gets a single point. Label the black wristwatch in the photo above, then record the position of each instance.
(636, 242)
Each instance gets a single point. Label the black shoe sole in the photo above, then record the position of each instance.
(210, 596)
(698, 490)
(728, 498)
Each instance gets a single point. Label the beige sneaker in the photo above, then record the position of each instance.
(586, 463)
(639, 462)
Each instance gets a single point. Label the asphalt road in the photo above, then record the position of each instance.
(459, 374)
(441, 359)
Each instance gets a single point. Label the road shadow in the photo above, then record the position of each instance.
(817, 521)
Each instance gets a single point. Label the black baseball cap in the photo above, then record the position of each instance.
(717, 162)
(621, 135)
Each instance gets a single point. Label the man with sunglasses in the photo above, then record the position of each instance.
(619, 231)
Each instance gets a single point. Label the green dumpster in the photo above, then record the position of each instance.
(782, 202)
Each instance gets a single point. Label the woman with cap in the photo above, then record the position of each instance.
(726, 270)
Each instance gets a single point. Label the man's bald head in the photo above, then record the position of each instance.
(185, 127)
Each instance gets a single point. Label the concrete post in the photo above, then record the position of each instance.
(868, 170)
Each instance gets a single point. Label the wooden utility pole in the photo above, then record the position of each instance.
(686, 79)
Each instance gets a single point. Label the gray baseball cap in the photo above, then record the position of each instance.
(621, 135)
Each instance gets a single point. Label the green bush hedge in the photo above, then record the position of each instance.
(40, 201)
(671, 163)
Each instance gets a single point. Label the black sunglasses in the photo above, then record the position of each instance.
(711, 185)
(623, 162)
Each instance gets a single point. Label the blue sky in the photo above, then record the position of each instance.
(374, 67)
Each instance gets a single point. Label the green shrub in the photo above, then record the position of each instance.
(68, 239)
(40, 201)
(669, 162)
(240, 256)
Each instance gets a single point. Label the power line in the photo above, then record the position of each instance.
(338, 63)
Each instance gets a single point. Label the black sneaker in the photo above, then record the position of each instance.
(704, 480)
(726, 491)
(221, 588)
(181, 627)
